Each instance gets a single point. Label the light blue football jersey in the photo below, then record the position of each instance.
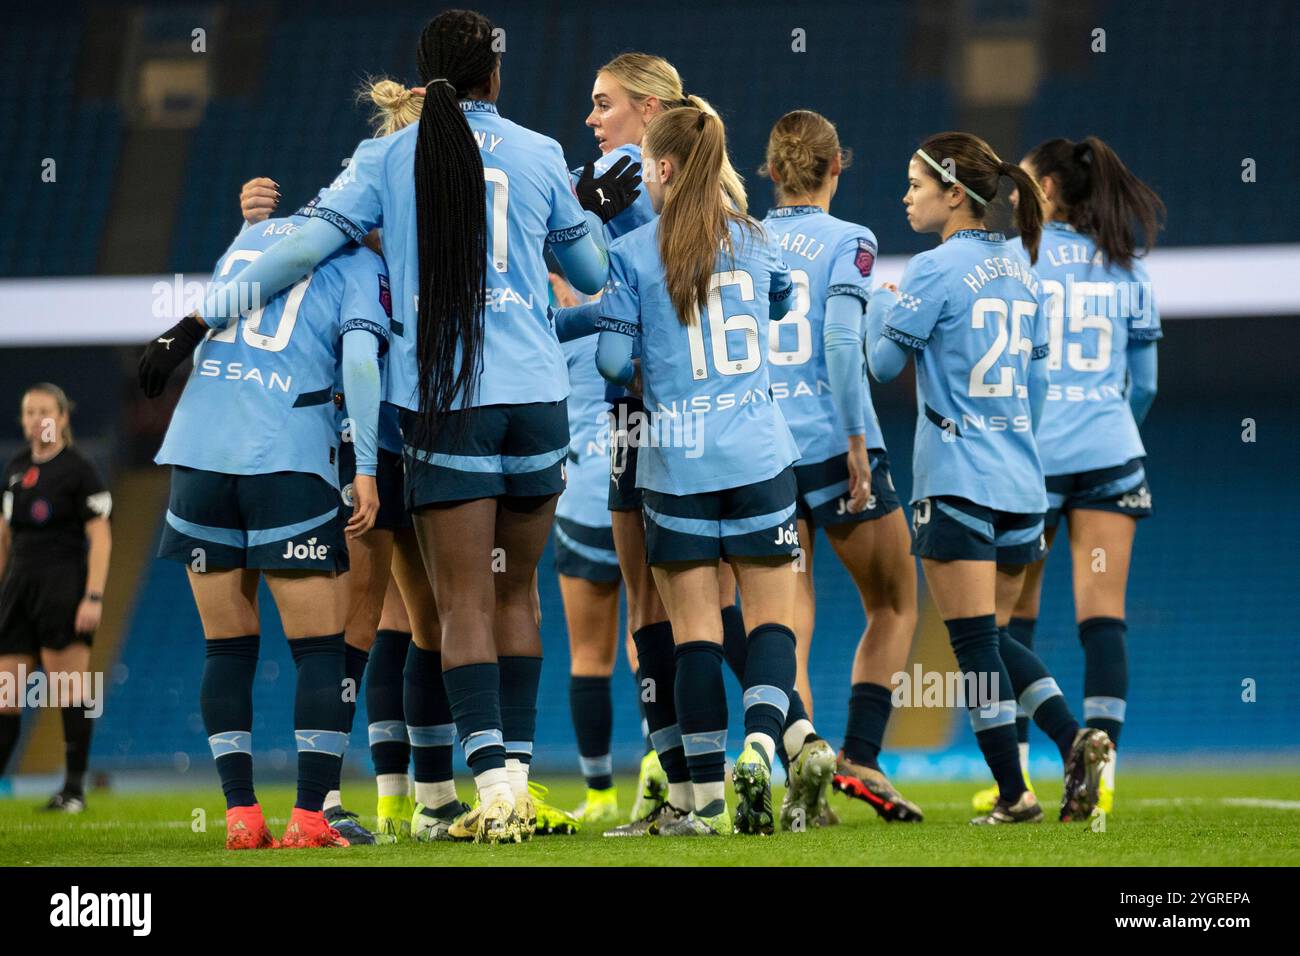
(642, 209)
(826, 256)
(1093, 311)
(260, 398)
(585, 497)
(712, 423)
(389, 433)
(970, 310)
(529, 202)
(638, 214)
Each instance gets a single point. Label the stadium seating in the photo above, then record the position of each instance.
(52, 227)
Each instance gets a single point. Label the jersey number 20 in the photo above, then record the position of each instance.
(252, 326)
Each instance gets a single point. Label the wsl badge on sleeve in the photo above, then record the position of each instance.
(865, 258)
(385, 296)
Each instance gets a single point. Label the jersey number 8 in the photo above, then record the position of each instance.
(797, 319)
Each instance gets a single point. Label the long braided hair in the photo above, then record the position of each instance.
(456, 56)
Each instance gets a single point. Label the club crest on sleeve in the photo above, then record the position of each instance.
(385, 296)
(865, 258)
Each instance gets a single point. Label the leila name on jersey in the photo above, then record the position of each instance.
(1070, 253)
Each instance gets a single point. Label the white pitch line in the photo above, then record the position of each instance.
(1261, 802)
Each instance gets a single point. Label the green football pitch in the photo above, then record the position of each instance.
(1160, 819)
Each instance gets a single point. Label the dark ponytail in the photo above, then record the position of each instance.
(1101, 197)
(455, 58)
(1029, 208)
(988, 183)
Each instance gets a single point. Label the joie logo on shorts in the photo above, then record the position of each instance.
(786, 534)
(920, 513)
(842, 505)
(1135, 499)
(301, 552)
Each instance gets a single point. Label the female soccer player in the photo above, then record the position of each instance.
(588, 570)
(843, 471)
(696, 288)
(385, 565)
(254, 446)
(628, 93)
(477, 367)
(55, 544)
(1103, 325)
(968, 311)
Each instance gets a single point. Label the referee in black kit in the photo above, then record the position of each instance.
(54, 553)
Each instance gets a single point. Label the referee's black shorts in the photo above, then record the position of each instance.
(38, 607)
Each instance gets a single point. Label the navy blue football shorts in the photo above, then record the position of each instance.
(624, 495)
(753, 521)
(582, 551)
(1123, 489)
(824, 490)
(281, 521)
(393, 515)
(946, 528)
(489, 451)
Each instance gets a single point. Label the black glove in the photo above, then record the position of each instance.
(163, 354)
(610, 194)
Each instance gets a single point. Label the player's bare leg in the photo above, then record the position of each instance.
(877, 557)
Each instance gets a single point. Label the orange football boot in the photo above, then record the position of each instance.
(246, 829)
(308, 829)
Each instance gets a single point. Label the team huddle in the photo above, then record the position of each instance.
(470, 345)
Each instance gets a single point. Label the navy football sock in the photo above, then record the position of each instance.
(1105, 674)
(429, 724)
(593, 724)
(735, 640)
(1022, 629)
(320, 716)
(657, 657)
(474, 692)
(520, 678)
(390, 747)
(640, 707)
(701, 698)
(768, 682)
(975, 644)
(354, 667)
(1036, 692)
(870, 706)
(226, 702)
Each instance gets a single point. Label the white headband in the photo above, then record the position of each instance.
(950, 178)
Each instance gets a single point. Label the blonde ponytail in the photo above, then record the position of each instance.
(396, 107)
(694, 222)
